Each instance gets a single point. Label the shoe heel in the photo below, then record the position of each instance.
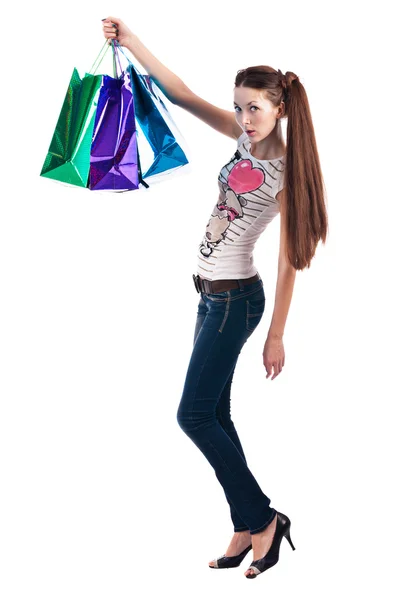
(289, 539)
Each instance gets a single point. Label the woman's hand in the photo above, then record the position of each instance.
(114, 28)
(273, 355)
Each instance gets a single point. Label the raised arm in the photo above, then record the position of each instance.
(171, 85)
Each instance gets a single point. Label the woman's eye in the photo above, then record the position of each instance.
(256, 107)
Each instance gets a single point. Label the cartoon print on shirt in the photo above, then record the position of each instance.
(244, 178)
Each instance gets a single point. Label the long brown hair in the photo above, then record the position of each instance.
(304, 192)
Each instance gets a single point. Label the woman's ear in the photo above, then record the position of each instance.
(281, 110)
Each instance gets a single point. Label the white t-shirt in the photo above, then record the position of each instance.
(246, 204)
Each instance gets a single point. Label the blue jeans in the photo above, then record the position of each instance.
(224, 323)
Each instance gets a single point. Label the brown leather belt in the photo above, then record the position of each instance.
(220, 285)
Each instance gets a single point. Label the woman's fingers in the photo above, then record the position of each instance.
(277, 370)
(111, 31)
(273, 368)
(110, 23)
(110, 28)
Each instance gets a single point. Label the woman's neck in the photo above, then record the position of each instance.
(273, 146)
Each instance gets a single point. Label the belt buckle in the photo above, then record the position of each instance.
(196, 282)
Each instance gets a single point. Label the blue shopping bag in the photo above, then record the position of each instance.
(167, 147)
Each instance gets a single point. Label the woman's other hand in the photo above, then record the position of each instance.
(273, 356)
(114, 28)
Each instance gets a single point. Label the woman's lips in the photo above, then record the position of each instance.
(250, 132)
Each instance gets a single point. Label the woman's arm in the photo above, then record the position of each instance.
(274, 353)
(283, 297)
(171, 85)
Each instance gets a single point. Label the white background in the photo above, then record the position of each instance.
(102, 494)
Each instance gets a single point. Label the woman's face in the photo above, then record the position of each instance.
(254, 111)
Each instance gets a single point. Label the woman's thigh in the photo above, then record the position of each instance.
(235, 312)
(224, 323)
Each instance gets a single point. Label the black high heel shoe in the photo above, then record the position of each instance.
(228, 562)
(272, 556)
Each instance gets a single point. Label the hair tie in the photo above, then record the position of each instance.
(286, 80)
(282, 79)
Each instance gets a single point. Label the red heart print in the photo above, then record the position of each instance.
(245, 178)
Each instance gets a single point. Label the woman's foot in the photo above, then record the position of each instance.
(240, 541)
(261, 542)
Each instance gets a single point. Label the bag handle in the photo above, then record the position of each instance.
(115, 55)
(106, 44)
(144, 78)
(119, 47)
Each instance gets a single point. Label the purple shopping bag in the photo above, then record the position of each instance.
(114, 161)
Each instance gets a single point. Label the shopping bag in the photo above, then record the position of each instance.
(68, 157)
(96, 143)
(114, 155)
(157, 126)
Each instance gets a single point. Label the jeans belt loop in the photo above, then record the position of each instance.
(241, 285)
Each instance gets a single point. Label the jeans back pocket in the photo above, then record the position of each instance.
(254, 312)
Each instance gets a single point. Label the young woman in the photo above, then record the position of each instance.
(262, 179)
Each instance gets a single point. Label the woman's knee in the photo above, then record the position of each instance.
(184, 416)
(181, 418)
(197, 415)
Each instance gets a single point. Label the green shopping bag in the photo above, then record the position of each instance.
(68, 157)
